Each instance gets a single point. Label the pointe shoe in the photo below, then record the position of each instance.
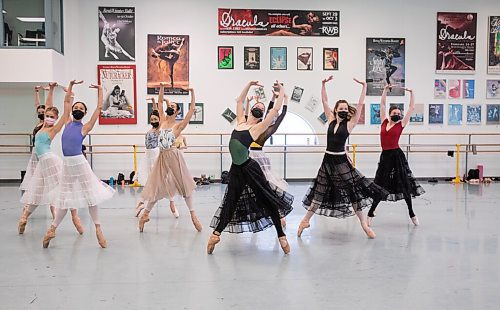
(139, 208)
(369, 232)
(143, 220)
(77, 223)
(369, 220)
(196, 221)
(51, 234)
(303, 225)
(100, 237)
(23, 221)
(284, 244)
(174, 210)
(283, 223)
(212, 241)
(415, 220)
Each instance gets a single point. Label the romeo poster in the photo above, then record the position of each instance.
(456, 42)
(117, 34)
(168, 61)
(119, 91)
(385, 64)
(251, 22)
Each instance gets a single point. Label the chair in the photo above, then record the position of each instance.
(31, 37)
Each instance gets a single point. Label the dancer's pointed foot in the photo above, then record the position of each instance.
(173, 209)
(196, 221)
(415, 220)
(303, 225)
(284, 244)
(23, 221)
(212, 241)
(139, 208)
(100, 237)
(51, 234)
(143, 220)
(369, 220)
(77, 223)
(369, 232)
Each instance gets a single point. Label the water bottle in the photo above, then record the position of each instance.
(111, 181)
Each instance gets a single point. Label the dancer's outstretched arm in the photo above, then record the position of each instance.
(192, 107)
(383, 102)
(324, 99)
(95, 116)
(406, 119)
(361, 102)
(240, 116)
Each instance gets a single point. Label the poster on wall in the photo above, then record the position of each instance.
(256, 22)
(116, 34)
(229, 115)
(375, 114)
(436, 111)
(168, 61)
(322, 118)
(455, 114)
(417, 117)
(251, 58)
(225, 57)
(494, 45)
(456, 42)
(474, 114)
(330, 58)
(278, 58)
(312, 104)
(493, 89)
(260, 94)
(297, 94)
(119, 91)
(439, 89)
(468, 89)
(385, 64)
(199, 112)
(305, 58)
(492, 114)
(454, 89)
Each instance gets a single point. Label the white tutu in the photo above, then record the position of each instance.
(30, 170)
(80, 187)
(146, 165)
(265, 164)
(43, 185)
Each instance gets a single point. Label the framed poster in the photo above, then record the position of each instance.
(116, 33)
(119, 91)
(297, 94)
(251, 58)
(492, 114)
(312, 104)
(229, 115)
(330, 58)
(385, 64)
(168, 61)
(375, 114)
(474, 114)
(198, 115)
(225, 58)
(417, 117)
(493, 89)
(456, 42)
(454, 89)
(455, 114)
(468, 89)
(494, 45)
(282, 22)
(440, 89)
(278, 58)
(436, 111)
(322, 118)
(305, 58)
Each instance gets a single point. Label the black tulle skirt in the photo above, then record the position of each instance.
(394, 174)
(248, 199)
(340, 189)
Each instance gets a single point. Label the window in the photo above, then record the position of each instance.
(293, 124)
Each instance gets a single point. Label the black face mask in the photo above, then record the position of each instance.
(257, 113)
(41, 116)
(395, 118)
(170, 111)
(343, 114)
(155, 124)
(78, 115)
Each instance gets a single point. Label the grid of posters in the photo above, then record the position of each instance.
(474, 114)
(494, 45)
(260, 22)
(251, 58)
(119, 91)
(116, 34)
(456, 42)
(455, 114)
(385, 64)
(168, 61)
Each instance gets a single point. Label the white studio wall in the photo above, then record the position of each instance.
(217, 89)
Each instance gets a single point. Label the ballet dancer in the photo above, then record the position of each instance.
(339, 190)
(393, 172)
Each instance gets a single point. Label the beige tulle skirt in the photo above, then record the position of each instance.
(168, 177)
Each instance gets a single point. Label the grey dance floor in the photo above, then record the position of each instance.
(451, 261)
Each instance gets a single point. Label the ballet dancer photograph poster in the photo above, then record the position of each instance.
(116, 34)
(119, 91)
(494, 45)
(456, 42)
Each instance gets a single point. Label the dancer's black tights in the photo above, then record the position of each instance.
(375, 203)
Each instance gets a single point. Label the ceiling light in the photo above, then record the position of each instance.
(32, 19)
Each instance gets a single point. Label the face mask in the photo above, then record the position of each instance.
(78, 115)
(343, 114)
(257, 113)
(41, 116)
(170, 111)
(395, 118)
(155, 124)
(49, 121)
